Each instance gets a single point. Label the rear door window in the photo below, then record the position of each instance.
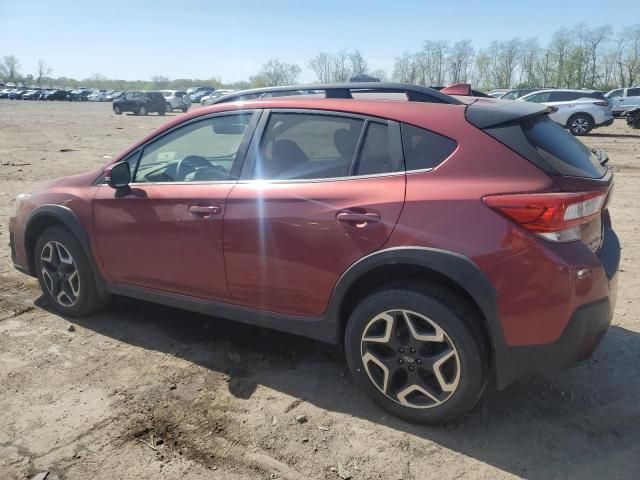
(539, 97)
(563, 96)
(375, 155)
(424, 149)
(307, 146)
(633, 92)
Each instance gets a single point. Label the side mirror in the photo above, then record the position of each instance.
(118, 175)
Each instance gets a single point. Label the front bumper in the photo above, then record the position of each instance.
(16, 246)
(581, 335)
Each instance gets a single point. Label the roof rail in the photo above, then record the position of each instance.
(414, 93)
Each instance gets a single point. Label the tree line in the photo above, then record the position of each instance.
(577, 57)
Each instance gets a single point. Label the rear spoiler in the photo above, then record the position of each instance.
(490, 115)
(463, 89)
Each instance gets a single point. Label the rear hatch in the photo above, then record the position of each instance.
(576, 209)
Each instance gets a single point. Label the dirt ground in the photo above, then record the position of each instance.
(143, 391)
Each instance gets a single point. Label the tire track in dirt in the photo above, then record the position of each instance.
(17, 296)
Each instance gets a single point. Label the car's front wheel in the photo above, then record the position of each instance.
(417, 354)
(116, 110)
(64, 273)
(580, 124)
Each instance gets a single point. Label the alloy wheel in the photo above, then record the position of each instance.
(580, 125)
(60, 273)
(410, 359)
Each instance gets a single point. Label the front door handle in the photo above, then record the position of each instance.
(358, 219)
(205, 210)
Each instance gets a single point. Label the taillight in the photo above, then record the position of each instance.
(558, 217)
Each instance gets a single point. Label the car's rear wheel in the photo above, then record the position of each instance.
(116, 110)
(418, 357)
(65, 275)
(580, 124)
(142, 110)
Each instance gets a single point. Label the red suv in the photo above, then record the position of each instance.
(441, 240)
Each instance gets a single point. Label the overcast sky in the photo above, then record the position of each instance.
(200, 39)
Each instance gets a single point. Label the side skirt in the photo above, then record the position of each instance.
(322, 328)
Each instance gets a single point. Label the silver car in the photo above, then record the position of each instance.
(579, 111)
(208, 99)
(176, 100)
(623, 99)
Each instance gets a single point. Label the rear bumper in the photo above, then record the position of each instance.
(581, 335)
(579, 340)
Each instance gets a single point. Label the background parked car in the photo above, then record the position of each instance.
(55, 95)
(32, 94)
(4, 93)
(518, 92)
(140, 103)
(363, 77)
(196, 93)
(208, 99)
(113, 95)
(79, 95)
(633, 117)
(622, 99)
(16, 93)
(497, 92)
(99, 96)
(580, 111)
(176, 99)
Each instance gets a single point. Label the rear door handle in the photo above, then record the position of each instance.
(354, 218)
(205, 210)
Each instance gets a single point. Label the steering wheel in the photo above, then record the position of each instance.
(190, 164)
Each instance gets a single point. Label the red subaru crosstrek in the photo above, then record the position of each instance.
(441, 240)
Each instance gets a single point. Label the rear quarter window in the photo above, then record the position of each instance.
(424, 149)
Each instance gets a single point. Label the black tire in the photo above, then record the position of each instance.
(580, 124)
(142, 110)
(116, 110)
(184, 109)
(87, 300)
(464, 336)
(161, 112)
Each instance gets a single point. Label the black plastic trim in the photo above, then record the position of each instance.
(485, 116)
(578, 341)
(328, 327)
(311, 327)
(70, 220)
(458, 268)
(609, 254)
